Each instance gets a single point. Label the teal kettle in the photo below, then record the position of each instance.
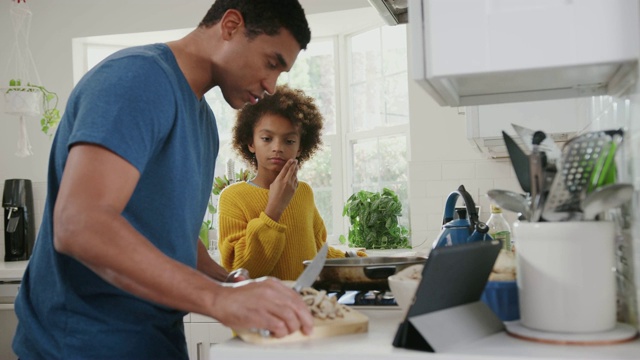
(467, 228)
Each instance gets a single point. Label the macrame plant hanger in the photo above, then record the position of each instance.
(22, 99)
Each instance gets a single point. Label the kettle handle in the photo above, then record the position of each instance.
(468, 202)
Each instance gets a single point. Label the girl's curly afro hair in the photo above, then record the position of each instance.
(292, 104)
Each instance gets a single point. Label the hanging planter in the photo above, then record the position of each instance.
(34, 101)
(31, 100)
(23, 101)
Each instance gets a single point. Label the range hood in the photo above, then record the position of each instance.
(560, 119)
(393, 12)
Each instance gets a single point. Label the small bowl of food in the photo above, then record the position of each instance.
(404, 285)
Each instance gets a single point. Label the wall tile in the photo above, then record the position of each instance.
(457, 170)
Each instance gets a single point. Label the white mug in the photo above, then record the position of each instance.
(566, 275)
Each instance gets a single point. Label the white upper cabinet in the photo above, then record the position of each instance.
(476, 52)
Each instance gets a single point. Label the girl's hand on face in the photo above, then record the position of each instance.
(282, 189)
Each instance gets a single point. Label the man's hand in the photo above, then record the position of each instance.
(264, 303)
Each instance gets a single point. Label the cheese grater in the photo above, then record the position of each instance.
(585, 159)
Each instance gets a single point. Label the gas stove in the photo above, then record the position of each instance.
(365, 298)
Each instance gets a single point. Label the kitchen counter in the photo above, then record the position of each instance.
(12, 270)
(376, 344)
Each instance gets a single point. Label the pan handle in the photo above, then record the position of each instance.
(379, 272)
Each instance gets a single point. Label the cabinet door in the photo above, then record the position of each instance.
(218, 333)
(478, 52)
(202, 334)
(199, 341)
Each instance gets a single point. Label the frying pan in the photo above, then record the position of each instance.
(363, 274)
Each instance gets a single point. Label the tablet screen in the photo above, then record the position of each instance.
(454, 275)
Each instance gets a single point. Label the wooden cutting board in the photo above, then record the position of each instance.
(352, 323)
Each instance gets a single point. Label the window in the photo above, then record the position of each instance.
(359, 81)
(365, 147)
(378, 125)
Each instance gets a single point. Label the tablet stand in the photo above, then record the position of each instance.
(447, 310)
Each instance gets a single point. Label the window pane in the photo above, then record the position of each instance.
(366, 106)
(396, 99)
(379, 163)
(317, 173)
(314, 72)
(378, 87)
(365, 56)
(225, 114)
(97, 52)
(394, 49)
(225, 119)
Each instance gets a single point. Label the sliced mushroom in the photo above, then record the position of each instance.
(321, 305)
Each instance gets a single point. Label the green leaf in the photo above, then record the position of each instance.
(204, 234)
(374, 220)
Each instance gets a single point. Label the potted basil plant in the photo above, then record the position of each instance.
(374, 221)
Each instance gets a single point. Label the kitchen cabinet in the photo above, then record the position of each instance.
(10, 277)
(202, 333)
(478, 52)
(559, 119)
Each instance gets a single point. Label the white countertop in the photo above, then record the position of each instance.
(12, 270)
(377, 344)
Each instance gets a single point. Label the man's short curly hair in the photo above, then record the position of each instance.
(264, 17)
(293, 105)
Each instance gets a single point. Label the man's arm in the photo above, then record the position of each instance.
(208, 266)
(96, 186)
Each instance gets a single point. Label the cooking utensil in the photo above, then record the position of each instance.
(580, 158)
(605, 172)
(548, 145)
(605, 198)
(520, 162)
(511, 201)
(312, 270)
(364, 274)
(537, 164)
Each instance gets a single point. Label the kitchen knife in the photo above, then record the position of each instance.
(310, 274)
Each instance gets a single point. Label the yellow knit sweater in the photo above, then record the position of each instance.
(250, 239)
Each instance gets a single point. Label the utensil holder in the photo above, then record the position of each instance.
(565, 275)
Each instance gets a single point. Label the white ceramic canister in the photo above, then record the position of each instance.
(566, 275)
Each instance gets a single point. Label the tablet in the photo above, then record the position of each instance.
(447, 310)
(454, 275)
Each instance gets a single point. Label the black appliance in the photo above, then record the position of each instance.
(19, 219)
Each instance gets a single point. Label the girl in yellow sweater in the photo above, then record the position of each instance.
(270, 224)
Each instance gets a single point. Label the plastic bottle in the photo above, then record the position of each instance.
(499, 228)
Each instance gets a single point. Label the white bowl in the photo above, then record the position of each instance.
(404, 290)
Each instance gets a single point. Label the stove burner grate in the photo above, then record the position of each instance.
(365, 298)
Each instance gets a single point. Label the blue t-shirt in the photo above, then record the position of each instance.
(138, 104)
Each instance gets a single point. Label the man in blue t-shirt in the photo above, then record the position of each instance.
(118, 263)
